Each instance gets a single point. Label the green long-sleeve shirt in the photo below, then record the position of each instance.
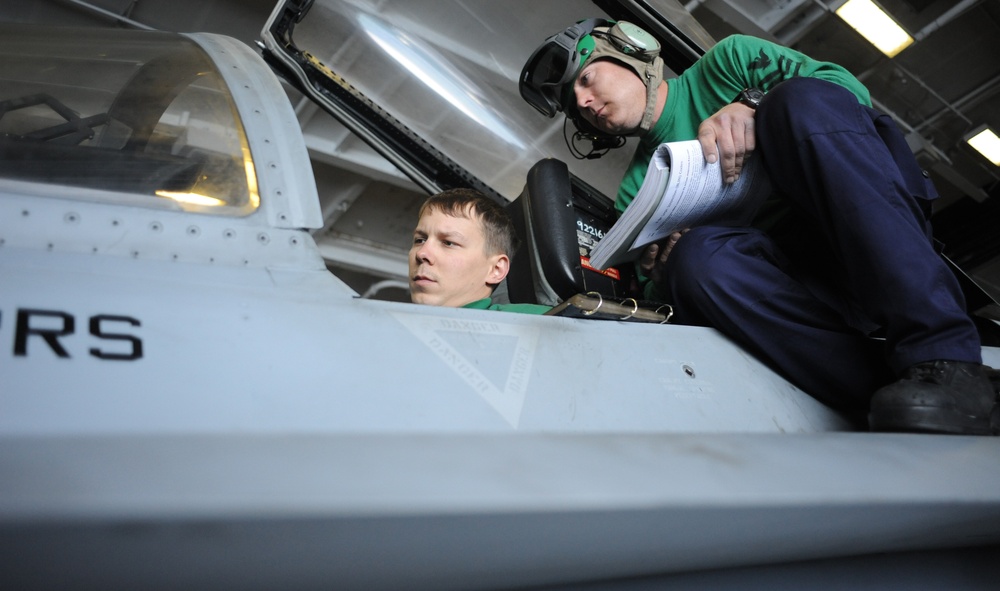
(735, 63)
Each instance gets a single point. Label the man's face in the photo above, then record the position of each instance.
(448, 261)
(610, 97)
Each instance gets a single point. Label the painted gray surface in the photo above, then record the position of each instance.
(470, 511)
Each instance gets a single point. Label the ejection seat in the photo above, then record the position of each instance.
(559, 220)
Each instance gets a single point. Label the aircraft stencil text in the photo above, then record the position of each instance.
(54, 329)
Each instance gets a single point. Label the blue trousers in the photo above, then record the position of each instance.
(856, 260)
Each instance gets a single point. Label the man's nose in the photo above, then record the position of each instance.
(423, 253)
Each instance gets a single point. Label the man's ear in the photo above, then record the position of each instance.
(499, 269)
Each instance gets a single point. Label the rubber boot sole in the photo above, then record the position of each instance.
(929, 419)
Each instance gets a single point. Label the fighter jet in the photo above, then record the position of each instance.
(190, 398)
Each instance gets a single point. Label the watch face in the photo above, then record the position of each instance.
(751, 97)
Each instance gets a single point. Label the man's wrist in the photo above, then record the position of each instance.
(750, 97)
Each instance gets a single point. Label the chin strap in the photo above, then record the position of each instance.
(654, 75)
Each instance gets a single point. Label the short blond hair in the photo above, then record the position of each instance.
(498, 229)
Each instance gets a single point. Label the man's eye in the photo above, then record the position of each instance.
(419, 240)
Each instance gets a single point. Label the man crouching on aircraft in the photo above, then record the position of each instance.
(461, 251)
(844, 250)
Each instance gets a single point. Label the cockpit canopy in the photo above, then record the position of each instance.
(150, 121)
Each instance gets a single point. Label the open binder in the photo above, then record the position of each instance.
(594, 305)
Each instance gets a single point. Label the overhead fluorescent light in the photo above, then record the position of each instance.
(986, 142)
(875, 25)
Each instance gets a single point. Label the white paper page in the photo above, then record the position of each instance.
(696, 194)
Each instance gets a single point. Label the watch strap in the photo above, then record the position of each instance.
(750, 97)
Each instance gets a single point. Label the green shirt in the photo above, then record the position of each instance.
(487, 304)
(735, 63)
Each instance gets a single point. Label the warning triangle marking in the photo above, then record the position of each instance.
(493, 358)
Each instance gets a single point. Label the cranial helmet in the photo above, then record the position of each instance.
(547, 78)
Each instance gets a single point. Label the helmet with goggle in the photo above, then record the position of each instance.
(549, 74)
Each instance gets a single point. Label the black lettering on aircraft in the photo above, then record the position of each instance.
(49, 335)
(95, 329)
(64, 325)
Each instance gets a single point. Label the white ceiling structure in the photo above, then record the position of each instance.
(943, 86)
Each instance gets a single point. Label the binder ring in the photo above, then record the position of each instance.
(600, 301)
(635, 308)
(670, 314)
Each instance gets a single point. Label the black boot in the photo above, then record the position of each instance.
(938, 397)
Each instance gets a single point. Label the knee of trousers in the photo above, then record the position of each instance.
(709, 262)
(801, 107)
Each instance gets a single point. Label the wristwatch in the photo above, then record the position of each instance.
(750, 97)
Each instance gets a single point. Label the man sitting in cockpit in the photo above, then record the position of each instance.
(461, 251)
